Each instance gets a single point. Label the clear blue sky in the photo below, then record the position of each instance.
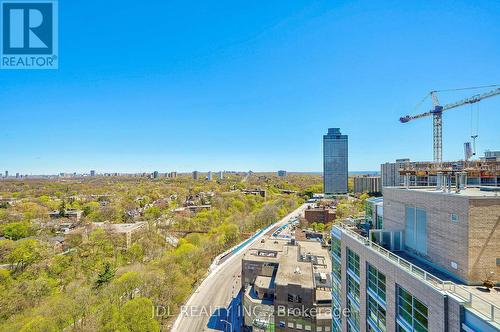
(184, 85)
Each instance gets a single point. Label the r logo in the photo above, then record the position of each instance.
(28, 34)
(27, 28)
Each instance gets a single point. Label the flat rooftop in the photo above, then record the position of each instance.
(268, 251)
(264, 282)
(293, 271)
(116, 228)
(474, 192)
(298, 263)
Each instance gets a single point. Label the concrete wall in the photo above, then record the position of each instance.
(281, 299)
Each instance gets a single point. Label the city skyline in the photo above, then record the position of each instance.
(254, 92)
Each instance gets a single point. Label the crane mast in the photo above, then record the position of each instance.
(437, 117)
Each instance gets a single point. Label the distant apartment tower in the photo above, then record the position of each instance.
(367, 184)
(195, 175)
(92, 173)
(335, 165)
(281, 173)
(209, 176)
(155, 174)
(6, 174)
(172, 175)
(491, 155)
(389, 173)
(424, 269)
(221, 175)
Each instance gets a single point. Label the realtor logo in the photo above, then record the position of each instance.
(28, 34)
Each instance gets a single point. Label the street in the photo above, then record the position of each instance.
(220, 286)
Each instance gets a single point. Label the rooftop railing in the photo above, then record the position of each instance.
(483, 307)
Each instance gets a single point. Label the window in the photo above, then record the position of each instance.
(353, 318)
(411, 312)
(376, 283)
(336, 291)
(290, 325)
(336, 249)
(353, 288)
(375, 315)
(416, 229)
(353, 262)
(453, 217)
(336, 325)
(336, 270)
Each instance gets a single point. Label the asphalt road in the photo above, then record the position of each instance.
(218, 288)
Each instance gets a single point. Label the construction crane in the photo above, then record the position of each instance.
(437, 115)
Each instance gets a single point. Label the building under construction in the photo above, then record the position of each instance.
(473, 173)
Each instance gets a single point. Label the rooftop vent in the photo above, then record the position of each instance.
(297, 270)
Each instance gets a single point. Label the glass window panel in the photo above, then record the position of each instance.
(421, 231)
(412, 310)
(410, 227)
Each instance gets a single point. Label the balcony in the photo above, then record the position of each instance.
(488, 310)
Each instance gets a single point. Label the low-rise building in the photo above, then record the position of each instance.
(319, 214)
(126, 234)
(72, 214)
(256, 192)
(287, 286)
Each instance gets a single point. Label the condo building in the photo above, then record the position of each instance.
(367, 184)
(389, 173)
(432, 265)
(335, 165)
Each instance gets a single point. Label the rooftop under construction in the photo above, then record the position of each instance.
(472, 172)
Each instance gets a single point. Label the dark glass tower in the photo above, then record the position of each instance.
(335, 162)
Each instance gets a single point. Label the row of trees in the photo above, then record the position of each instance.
(98, 286)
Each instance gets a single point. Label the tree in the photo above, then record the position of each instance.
(152, 213)
(90, 208)
(39, 323)
(138, 314)
(62, 209)
(126, 285)
(25, 253)
(105, 275)
(320, 227)
(16, 230)
(112, 320)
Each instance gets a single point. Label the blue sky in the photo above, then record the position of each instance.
(184, 85)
